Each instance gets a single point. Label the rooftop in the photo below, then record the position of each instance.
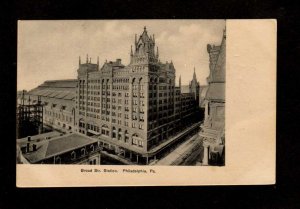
(50, 147)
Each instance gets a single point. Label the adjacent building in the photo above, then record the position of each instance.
(58, 100)
(213, 128)
(55, 148)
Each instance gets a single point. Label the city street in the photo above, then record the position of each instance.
(188, 153)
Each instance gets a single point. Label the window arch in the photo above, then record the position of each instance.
(82, 151)
(114, 134)
(119, 134)
(133, 80)
(57, 160)
(92, 148)
(73, 155)
(126, 136)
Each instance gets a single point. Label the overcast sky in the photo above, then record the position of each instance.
(49, 50)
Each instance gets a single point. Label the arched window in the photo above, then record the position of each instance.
(133, 80)
(82, 152)
(126, 136)
(73, 155)
(114, 134)
(92, 148)
(57, 160)
(120, 134)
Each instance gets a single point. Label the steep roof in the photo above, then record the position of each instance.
(216, 91)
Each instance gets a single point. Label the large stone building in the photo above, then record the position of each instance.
(213, 128)
(133, 108)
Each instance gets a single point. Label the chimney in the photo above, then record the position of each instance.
(118, 61)
(29, 138)
(34, 147)
(27, 147)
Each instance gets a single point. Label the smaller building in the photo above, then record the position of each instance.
(58, 100)
(56, 148)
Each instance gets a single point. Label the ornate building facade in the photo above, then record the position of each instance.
(135, 108)
(213, 128)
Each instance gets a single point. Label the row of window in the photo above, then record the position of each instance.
(59, 116)
(121, 80)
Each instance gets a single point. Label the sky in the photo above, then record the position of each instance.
(49, 50)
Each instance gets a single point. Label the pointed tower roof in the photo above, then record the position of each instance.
(179, 80)
(144, 37)
(194, 75)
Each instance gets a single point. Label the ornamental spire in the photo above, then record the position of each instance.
(180, 81)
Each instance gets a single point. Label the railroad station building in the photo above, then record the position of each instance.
(134, 110)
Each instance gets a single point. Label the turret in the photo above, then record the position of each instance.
(144, 49)
(194, 75)
(180, 82)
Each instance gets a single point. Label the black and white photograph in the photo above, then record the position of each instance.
(128, 92)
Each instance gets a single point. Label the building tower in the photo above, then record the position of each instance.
(195, 87)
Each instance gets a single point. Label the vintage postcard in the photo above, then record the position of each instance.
(146, 102)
